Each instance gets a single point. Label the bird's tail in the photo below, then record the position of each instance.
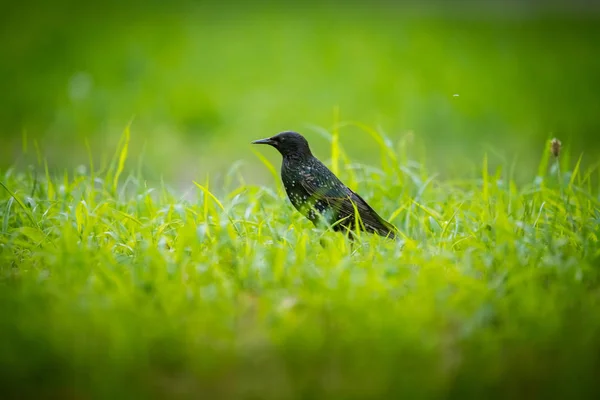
(382, 227)
(387, 229)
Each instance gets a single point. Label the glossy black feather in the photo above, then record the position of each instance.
(318, 194)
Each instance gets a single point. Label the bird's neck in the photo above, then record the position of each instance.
(297, 157)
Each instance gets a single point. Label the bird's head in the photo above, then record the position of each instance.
(288, 143)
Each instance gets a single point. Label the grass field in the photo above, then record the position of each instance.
(111, 288)
(164, 260)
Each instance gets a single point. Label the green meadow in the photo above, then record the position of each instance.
(148, 250)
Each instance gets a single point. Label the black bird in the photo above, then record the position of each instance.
(318, 194)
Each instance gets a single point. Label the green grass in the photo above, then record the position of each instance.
(110, 288)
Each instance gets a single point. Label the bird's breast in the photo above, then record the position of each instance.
(297, 195)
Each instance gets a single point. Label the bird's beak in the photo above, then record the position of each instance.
(268, 141)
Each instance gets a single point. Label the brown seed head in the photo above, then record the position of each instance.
(555, 145)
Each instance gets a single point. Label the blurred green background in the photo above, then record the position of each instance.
(203, 79)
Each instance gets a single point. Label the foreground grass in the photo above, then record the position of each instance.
(110, 288)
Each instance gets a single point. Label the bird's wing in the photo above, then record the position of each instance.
(343, 201)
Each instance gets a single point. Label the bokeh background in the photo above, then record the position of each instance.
(203, 79)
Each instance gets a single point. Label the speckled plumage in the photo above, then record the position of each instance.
(318, 194)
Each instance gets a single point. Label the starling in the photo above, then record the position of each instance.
(318, 194)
